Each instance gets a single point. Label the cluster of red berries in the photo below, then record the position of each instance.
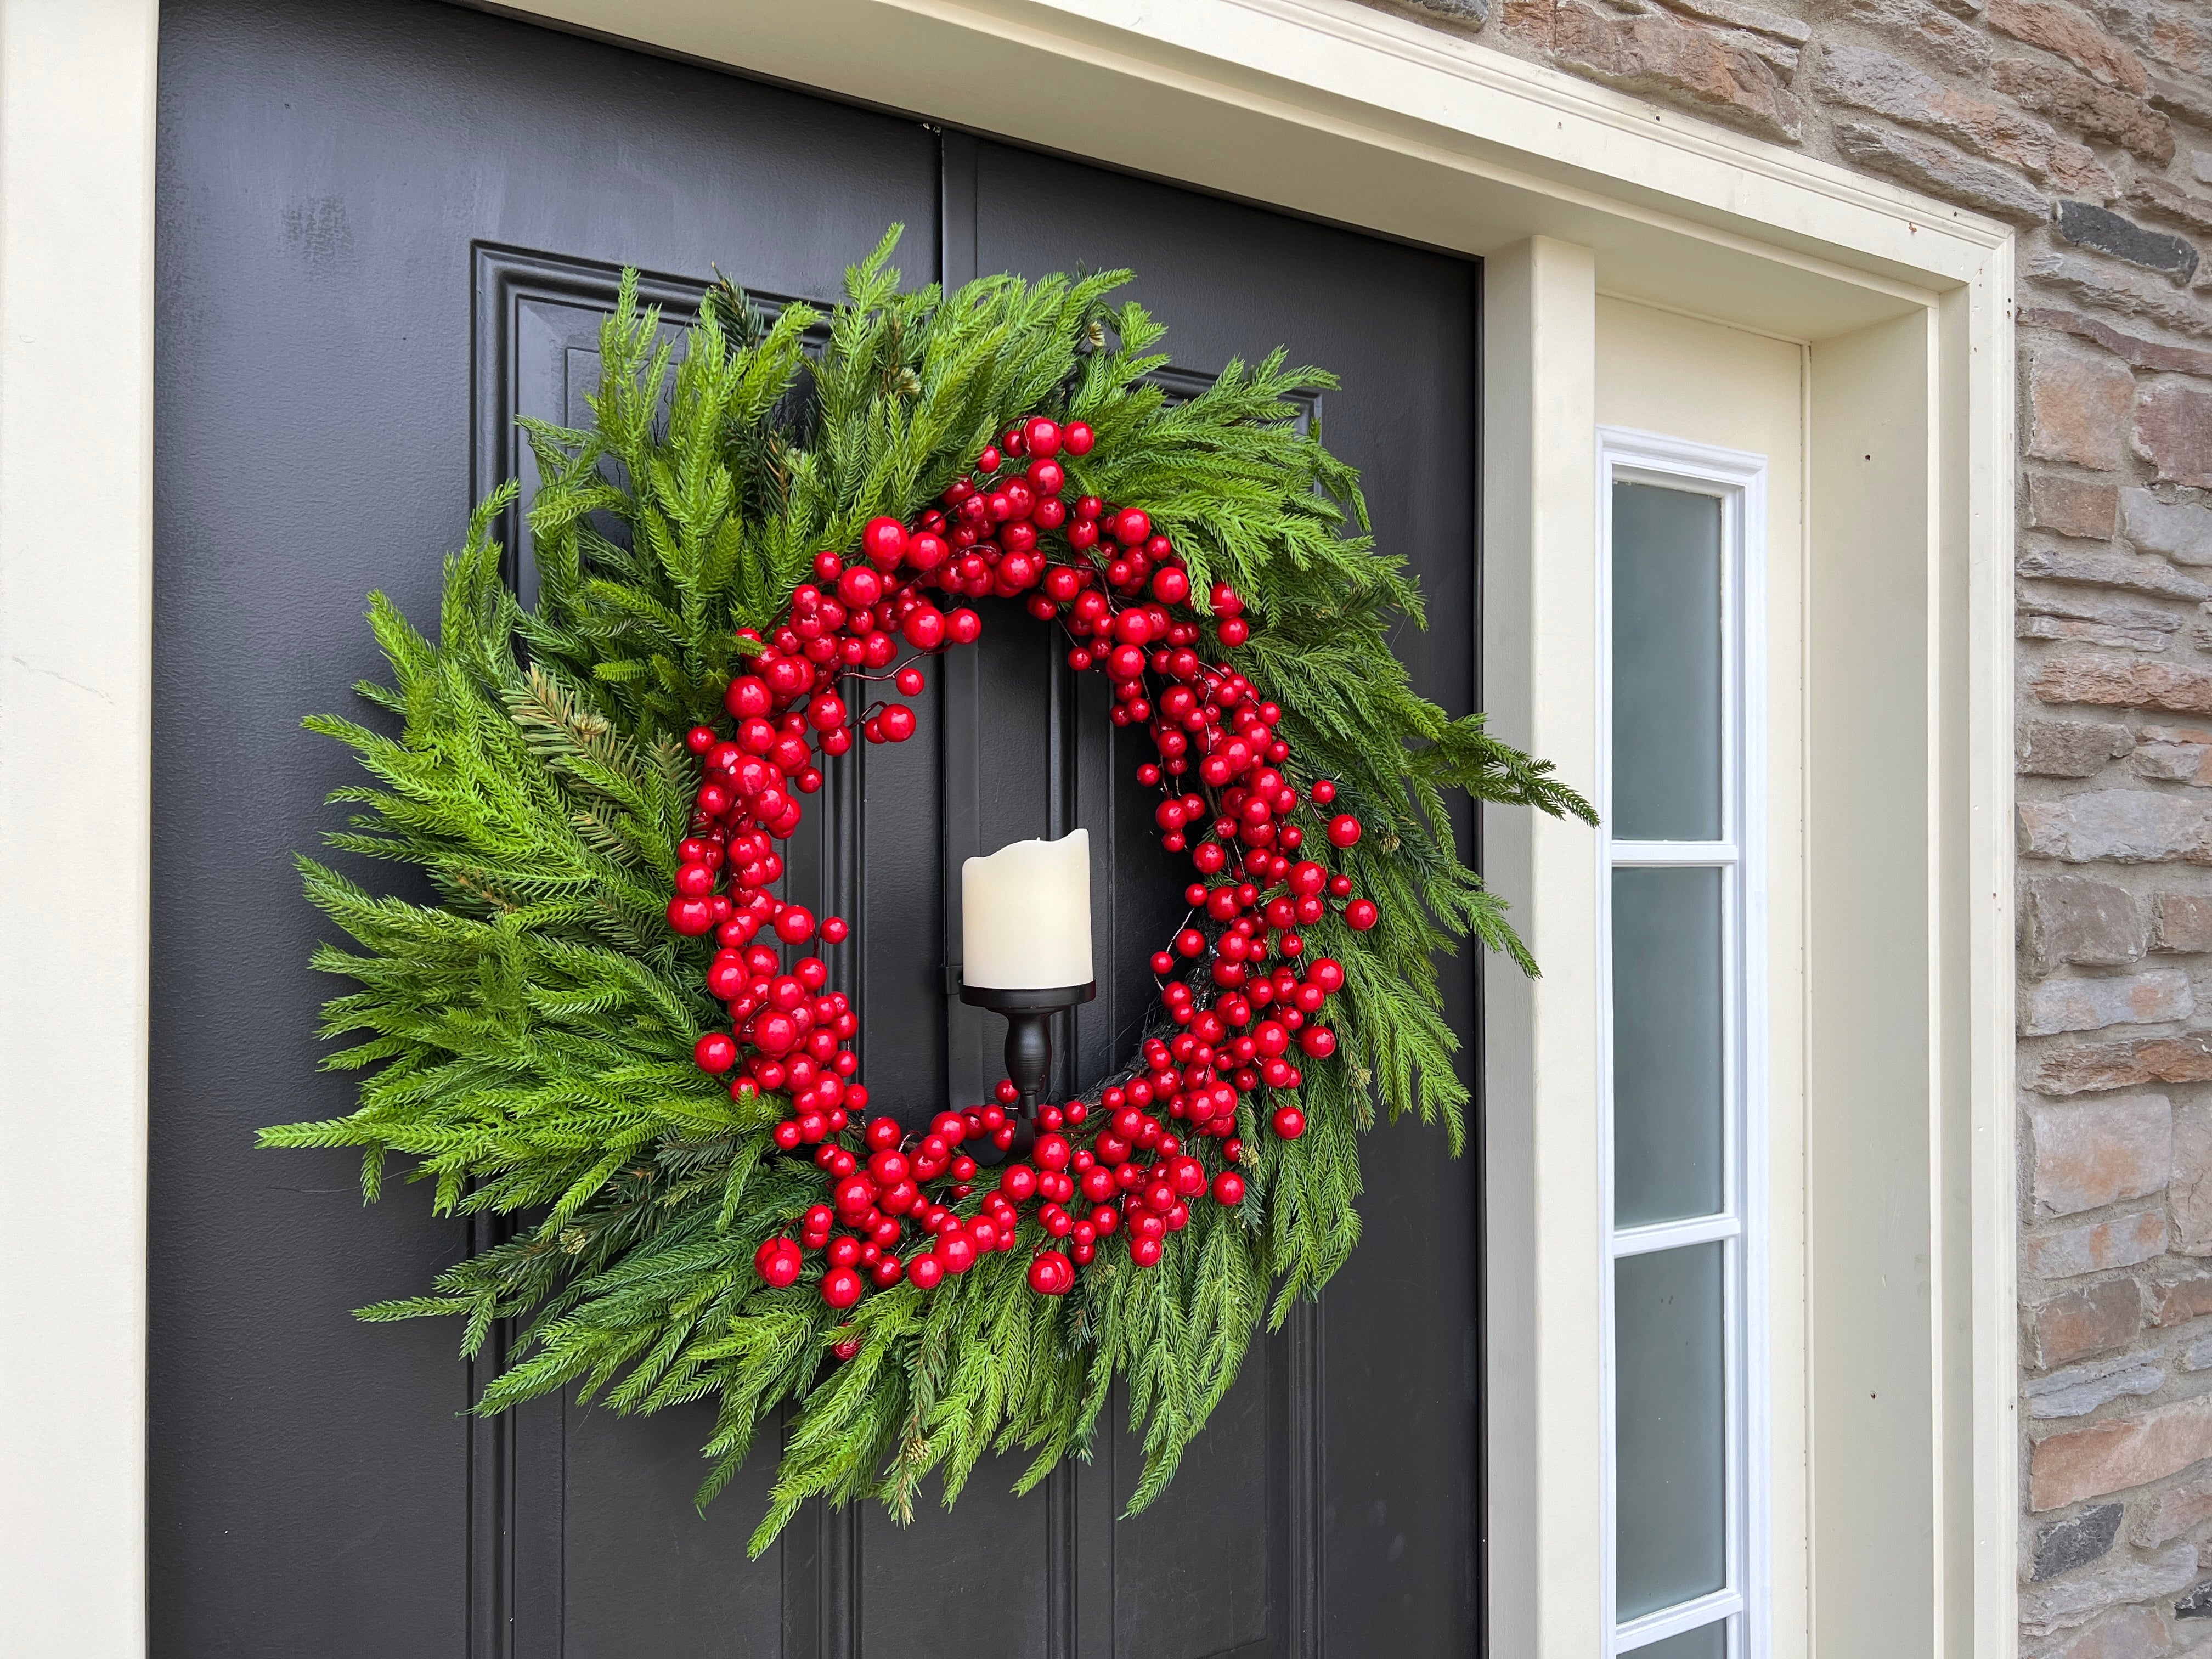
(1135, 1177)
(1252, 997)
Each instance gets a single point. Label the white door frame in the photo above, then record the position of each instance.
(1319, 106)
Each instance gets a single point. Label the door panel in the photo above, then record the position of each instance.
(327, 171)
(387, 231)
(1396, 1500)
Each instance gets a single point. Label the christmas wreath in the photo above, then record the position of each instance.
(609, 1030)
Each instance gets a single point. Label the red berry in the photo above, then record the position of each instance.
(1170, 584)
(690, 916)
(748, 698)
(775, 1033)
(835, 930)
(1076, 437)
(1229, 1188)
(1290, 1122)
(925, 1272)
(716, 1052)
(841, 1287)
(1361, 915)
(1145, 1252)
(1041, 436)
(1324, 792)
(699, 740)
(962, 627)
(910, 682)
(956, 1250)
(1052, 1273)
(796, 925)
(1132, 526)
(1318, 1041)
(1344, 831)
(1235, 631)
(897, 722)
(924, 628)
(884, 541)
(777, 1261)
(860, 587)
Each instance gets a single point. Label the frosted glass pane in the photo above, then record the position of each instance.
(1667, 1044)
(1666, 665)
(1706, 1642)
(1670, 1506)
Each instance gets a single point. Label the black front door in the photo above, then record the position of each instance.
(387, 231)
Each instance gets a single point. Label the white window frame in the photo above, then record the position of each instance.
(1737, 480)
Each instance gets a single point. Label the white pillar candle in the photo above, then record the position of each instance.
(1025, 915)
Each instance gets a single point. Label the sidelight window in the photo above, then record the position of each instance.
(1681, 1077)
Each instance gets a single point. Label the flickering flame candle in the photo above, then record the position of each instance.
(1025, 915)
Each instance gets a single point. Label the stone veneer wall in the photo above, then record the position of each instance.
(2088, 126)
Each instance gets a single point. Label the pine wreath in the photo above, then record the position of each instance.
(559, 1041)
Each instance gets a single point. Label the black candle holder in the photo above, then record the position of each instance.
(1028, 1044)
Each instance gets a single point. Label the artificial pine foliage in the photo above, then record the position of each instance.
(525, 1044)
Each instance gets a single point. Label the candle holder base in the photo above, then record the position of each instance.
(1028, 1044)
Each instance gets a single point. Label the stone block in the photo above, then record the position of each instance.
(2126, 826)
(2091, 1067)
(2074, 1602)
(2180, 530)
(1940, 169)
(2087, 508)
(2120, 288)
(2074, 918)
(1934, 34)
(1661, 55)
(2066, 33)
(2088, 1156)
(2129, 1633)
(2090, 226)
(2198, 1604)
(2174, 763)
(2091, 1005)
(2123, 1241)
(2173, 431)
(2090, 1319)
(1874, 81)
(2082, 630)
(2122, 615)
(2178, 1296)
(2082, 677)
(2108, 569)
(2189, 1190)
(2119, 1453)
(2087, 107)
(2185, 99)
(2169, 1514)
(2129, 348)
(2075, 1541)
(2070, 749)
(2181, 921)
(2080, 1390)
(1736, 15)
(2078, 403)
(2164, 201)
